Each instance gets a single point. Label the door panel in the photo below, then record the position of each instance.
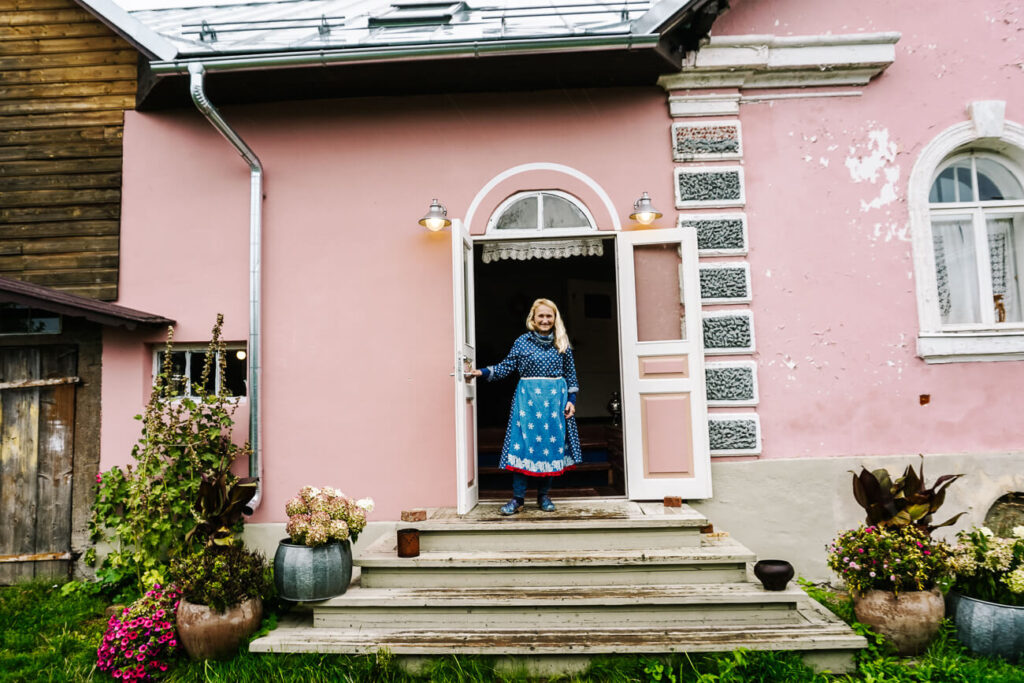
(465, 357)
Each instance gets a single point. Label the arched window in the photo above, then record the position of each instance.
(976, 211)
(546, 210)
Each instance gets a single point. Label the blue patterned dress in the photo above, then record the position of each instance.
(539, 441)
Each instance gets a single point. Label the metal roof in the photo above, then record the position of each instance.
(301, 25)
(38, 296)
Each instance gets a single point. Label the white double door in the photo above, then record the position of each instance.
(664, 409)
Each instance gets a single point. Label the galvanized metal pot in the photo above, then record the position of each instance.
(911, 620)
(988, 628)
(302, 573)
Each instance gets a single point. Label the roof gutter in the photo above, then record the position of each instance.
(197, 72)
(386, 53)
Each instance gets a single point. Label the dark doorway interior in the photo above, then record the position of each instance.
(583, 287)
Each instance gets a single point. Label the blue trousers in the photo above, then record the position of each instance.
(520, 481)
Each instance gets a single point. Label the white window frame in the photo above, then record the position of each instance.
(189, 349)
(987, 133)
(493, 233)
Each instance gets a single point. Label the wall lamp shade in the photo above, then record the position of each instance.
(643, 212)
(436, 217)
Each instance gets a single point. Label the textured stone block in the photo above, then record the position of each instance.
(414, 515)
(734, 434)
(706, 140)
(731, 383)
(725, 235)
(724, 282)
(710, 187)
(733, 332)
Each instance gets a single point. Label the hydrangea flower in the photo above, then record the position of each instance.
(317, 516)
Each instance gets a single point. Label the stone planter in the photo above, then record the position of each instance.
(208, 634)
(910, 620)
(988, 628)
(302, 574)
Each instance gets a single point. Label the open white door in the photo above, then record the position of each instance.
(468, 484)
(664, 405)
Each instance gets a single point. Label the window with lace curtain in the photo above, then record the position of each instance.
(976, 210)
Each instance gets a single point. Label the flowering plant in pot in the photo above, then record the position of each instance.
(140, 641)
(988, 590)
(315, 561)
(892, 573)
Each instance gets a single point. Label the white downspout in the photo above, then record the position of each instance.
(197, 71)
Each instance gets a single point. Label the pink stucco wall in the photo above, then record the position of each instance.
(830, 251)
(357, 310)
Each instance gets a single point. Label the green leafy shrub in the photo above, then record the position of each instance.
(890, 558)
(145, 510)
(988, 567)
(222, 576)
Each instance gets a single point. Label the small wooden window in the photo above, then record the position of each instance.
(18, 319)
(187, 371)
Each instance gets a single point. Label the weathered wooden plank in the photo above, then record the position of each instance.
(59, 166)
(12, 5)
(32, 47)
(28, 17)
(115, 72)
(41, 262)
(91, 103)
(58, 197)
(29, 32)
(103, 292)
(36, 557)
(62, 120)
(56, 90)
(29, 383)
(19, 432)
(7, 248)
(58, 59)
(56, 457)
(63, 279)
(50, 182)
(88, 150)
(59, 213)
(90, 230)
(69, 245)
(61, 135)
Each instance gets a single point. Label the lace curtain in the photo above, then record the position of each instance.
(541, 249)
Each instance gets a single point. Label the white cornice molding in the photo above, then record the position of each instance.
(757, 61)
(148, 41)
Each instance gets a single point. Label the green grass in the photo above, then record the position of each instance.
(47, 636)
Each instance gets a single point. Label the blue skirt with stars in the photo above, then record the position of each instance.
(539, 440)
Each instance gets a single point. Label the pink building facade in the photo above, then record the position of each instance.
(845, 302)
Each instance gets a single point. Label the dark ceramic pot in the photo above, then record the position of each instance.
(910, 620)
(208, 634)
(988, 628)
(302, 574)
(773, 574)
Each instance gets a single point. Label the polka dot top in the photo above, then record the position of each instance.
(535, 355)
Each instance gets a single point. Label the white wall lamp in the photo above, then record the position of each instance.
(643, 212)
(436, 217)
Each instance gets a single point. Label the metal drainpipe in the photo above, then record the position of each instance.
(197, 71)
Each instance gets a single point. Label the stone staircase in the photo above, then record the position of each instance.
(592, 578)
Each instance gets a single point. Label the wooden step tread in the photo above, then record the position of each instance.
(569, 515)
(706, 594)
(384, 554)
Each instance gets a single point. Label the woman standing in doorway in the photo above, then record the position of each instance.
(541, 440)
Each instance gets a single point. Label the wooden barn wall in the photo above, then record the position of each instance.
(65, 81)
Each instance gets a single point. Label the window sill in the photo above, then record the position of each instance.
(966, 347)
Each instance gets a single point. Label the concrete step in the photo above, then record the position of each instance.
(567, 607)
(714, 561)
(817, 634)
(575, 525)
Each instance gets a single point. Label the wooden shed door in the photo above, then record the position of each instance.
(37, 425)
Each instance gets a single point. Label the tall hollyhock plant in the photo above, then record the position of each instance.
(140, 642)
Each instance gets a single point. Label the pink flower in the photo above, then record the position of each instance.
(860, 550)
(99, 478)
(927, 552)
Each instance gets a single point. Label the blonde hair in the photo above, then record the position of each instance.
(561, 338)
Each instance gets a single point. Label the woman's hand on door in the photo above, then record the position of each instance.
(570, 410)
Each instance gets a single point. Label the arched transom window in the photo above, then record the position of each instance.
(976, 210)
(546, 210)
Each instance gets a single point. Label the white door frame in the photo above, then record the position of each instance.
(466, 470)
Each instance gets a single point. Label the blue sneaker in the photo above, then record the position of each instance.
(512, 507)
(545, 504)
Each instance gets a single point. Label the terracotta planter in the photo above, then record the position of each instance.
(910, 620)
(303, 574)
(988, 628)
(209, 634)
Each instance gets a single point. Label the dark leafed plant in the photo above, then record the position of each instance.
(221, 501)
(222, 576)
(907, 500)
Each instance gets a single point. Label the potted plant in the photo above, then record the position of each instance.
(988, 585)
(140, 641)
(892, 573)
(315, 561)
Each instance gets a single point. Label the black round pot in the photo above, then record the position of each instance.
(773, 574)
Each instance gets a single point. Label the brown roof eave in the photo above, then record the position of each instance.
(37, 296)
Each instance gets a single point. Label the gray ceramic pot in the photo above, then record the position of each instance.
(988, 628)
(302, 574)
